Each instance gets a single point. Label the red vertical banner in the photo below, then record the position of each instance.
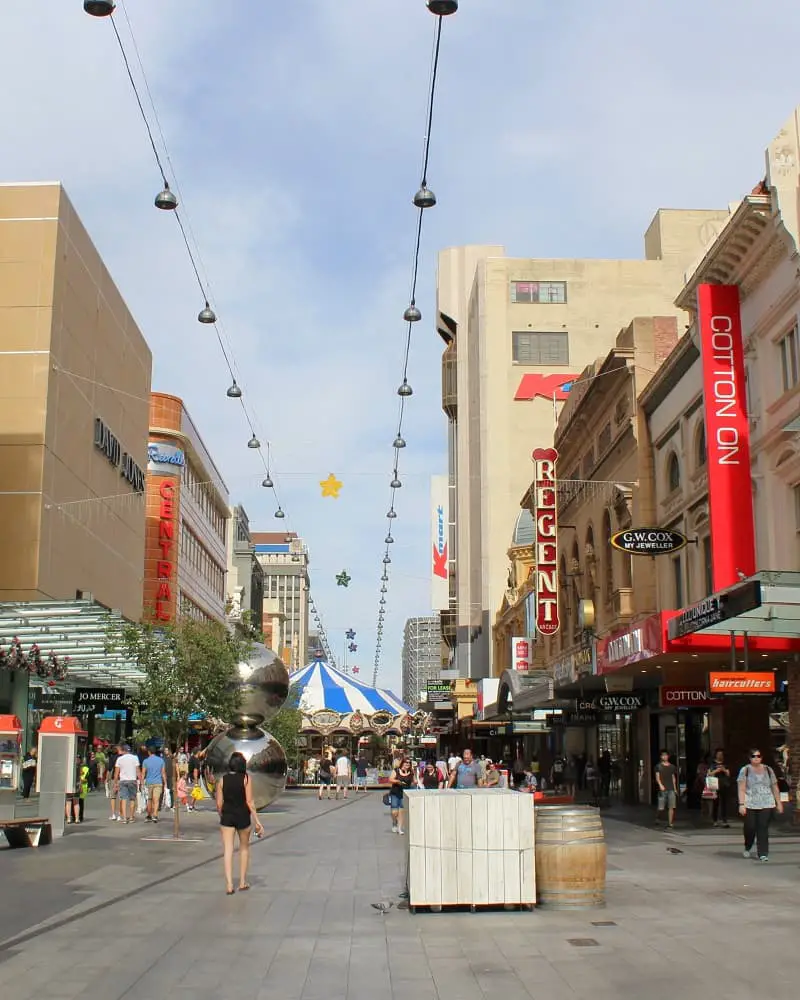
(730, 496)
(544, 493)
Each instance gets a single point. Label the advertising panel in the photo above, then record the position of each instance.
(521, 653)
(685, 696)
(440, 588)
(730, 489)
(641, 642)
(741, 683)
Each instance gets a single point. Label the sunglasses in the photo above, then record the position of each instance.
(754, 755)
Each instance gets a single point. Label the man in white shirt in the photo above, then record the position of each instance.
(343, 770)
(127, 775)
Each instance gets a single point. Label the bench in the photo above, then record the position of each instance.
(27, 832)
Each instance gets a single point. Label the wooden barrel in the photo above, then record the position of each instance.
(570, 857)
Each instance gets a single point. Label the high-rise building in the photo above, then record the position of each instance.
(422, 656)
(518, 332)
(187, 519)
(284, 560)
(245, 589)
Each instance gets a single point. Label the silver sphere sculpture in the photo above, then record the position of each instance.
(264, 686)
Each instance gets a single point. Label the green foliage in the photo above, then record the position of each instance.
(189, 667)
(285, 726)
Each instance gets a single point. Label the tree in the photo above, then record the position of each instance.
(285, 727)
(189, 667)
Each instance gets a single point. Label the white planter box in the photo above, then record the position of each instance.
(470, 847)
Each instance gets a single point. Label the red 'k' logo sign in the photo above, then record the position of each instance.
(440, 562)
(547, 386)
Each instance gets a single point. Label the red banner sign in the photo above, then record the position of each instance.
(544, 492)
(735, 683)
(727, 435)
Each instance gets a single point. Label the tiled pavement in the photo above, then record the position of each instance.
(697, 923)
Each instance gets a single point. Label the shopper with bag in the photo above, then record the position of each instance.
(127, 775)
(718, 782)
(758, 798)
(236, 810)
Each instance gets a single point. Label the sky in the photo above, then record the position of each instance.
(295, 131)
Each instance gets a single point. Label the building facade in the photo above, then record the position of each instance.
(284, 559)
(186, 559)
(517, 331)
(421, 657)
(245, 596)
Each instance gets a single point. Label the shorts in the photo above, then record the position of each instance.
(361, 782)
(342, 781)
(154, 793)
(127, 791)
(667, 800)
(395, 800)
(324, 779)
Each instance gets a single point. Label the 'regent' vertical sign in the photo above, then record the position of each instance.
(544, 494)
(727, 435)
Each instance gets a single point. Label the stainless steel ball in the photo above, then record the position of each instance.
(266, 762)
(264, 686)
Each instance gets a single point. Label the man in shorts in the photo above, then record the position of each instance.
(343, 770)
(361, 773)
(667, 782)
(154, 778)
(127, 776)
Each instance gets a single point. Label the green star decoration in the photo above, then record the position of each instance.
(342, 579)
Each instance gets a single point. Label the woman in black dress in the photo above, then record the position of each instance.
(235, 807)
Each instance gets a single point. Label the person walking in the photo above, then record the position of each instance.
(401, 779)
(154, 779)
(343, 774)
(667, 781)
(431, 777)
(467, 774)
(361, 773)
(84, 780)
(758, 797)
(127, 776)
(28, 772)
(237, 812)
(719, 769)
(325, 771)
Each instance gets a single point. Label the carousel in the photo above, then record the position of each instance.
(341, 713)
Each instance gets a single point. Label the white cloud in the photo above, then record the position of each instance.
(297, 133)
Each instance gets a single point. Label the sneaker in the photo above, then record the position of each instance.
(763, 858)
(148, 819)
(403, 833)
(155, 819)
(717, 823)
(745, 854)
(394, 828)
(113, 819)
(726, 826)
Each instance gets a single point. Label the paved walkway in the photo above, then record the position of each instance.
(696, 923)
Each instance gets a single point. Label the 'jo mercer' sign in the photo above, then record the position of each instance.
(544, 493)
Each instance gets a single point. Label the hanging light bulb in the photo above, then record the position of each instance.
(234, 392)
(384, 589)
(386, 559)
(385, 577)
(441, 8)
(383, 600)
(424, 198)
(399, 442)
(405, 389)
(412, 314)
(388, 540)
(395, 483)
(207, 315)
(279, 512)
(166, 200)
(254, 442)
(266, 482)
(391, 513)
(99, 8)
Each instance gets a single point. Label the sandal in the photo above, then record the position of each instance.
(245, 887)
(229, 892)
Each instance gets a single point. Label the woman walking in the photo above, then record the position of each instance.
(758, 796)
(235, 807)
(719, 769)
(401, 779)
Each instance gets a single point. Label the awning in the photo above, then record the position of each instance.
(74, 629)
(766, 604)
(526, 691)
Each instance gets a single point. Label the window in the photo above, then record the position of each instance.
(539, 292)
(673, 473)
(608, 559)
(790, 370)
(677, 580)
(588, 463)
(700, 449)
(604, 441)
(708, 574)
(540, 348)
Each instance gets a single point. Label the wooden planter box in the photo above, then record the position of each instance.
(470, 847)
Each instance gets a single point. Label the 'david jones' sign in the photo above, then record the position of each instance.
(544, 494)
(165, 565)
(730, 488)
(109, 445)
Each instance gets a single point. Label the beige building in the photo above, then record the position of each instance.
(284, 559)
(516, 330)
(75, 371)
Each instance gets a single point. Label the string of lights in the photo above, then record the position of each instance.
(166, 200)
(423, 200)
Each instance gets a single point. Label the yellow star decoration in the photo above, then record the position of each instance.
(331, 486)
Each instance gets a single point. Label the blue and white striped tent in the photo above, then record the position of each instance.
(321, 686)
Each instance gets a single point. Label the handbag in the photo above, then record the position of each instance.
(167, 798)
(386, 799)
